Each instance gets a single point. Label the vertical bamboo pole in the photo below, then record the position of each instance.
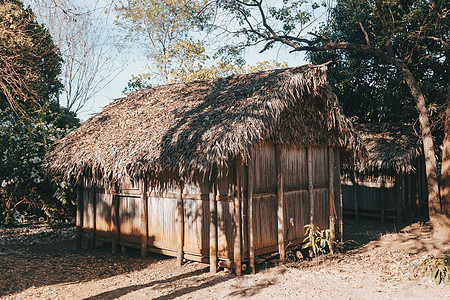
(250, 213)
(79, 215)
(383, 199)
(403, 194)
(424, 183)
(92, 213)
(399, 182)
(144, 218)
(310, 185)
(237, 220)
(341, 209)
(419, 188)
(180, 210)
(212, 226)
(115, 222)
(355, 195)
(410, 195)
(280, 200)
(331, 195)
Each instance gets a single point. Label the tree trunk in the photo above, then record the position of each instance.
(438, 219)
(445, 170)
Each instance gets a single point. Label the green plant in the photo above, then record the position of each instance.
(438, 267)
(316, 239)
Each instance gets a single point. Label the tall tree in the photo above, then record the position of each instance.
(380, 26)
(87, 42)
(29, 60)
(164, 30)
(30, 117)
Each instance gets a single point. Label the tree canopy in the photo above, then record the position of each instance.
(164, 31)
(29, 60)
(30, 117)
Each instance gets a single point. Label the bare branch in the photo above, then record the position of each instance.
(366, 36)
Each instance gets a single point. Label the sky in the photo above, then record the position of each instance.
(134, 60)
(114, 89)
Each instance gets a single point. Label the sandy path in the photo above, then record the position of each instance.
(385, 268)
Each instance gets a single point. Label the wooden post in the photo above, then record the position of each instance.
(237, 220)
(92, 214)
(403, 194)
(331, 196)
(251, 232)
(115, 222)
(280, 200)
(337, 165)
(355, 195)
(310, 185)
(410, 197)
(401, 197)
(383, 199)
(213, 225)
(419, 190)
(79, 215)
(180, 210)
(144, 218)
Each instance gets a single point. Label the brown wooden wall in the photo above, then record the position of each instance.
(401, 197)
(304, 175)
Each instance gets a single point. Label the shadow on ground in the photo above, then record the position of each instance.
(41, 264)
(186, 283)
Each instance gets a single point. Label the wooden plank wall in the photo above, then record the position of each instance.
(297, 207)
(103, 203)
(394, 198)
(320, 186)
(162, 220)
(265, 199)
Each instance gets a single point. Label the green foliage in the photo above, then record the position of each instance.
(316, 239)
(288, 18)
(23, 143)
(165, 31)
(199, 72)
(138, 82)
(224, 69)
(30, 119)
(29, 60)
(438, 268)
(369, 89)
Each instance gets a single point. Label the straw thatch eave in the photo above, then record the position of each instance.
(391, 149)
(193, 127)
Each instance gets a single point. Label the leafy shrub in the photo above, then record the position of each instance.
(23, 142)
(317, 240)
(438, 268)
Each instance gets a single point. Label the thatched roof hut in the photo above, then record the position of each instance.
(391, 149)
(193, 126)
(221, 170)
(391, 181)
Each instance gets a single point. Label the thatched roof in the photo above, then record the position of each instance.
(391, 149)
(189, 127)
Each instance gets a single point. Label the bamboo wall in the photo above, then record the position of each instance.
(400, 198)
(257, 208)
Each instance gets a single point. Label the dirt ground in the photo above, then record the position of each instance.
(384, 263)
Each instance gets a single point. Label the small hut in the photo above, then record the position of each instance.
(220, 171)
(391, 182)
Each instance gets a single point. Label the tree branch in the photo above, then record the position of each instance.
(366, 36)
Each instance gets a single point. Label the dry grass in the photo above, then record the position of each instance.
(191, 127)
